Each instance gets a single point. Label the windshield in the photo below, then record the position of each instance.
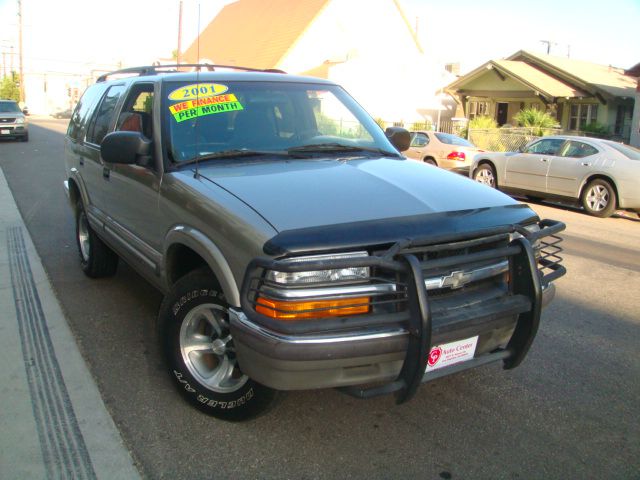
(210, 119)
(9, 107)
(627, 150)
(453, 140)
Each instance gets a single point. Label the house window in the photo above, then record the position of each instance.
(582, 114)
(478, 109)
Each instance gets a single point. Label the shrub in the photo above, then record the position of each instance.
(536, 119)
(479, 123)
(421, 126)
(482, 122)
(596, 128)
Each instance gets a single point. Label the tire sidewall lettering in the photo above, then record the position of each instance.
(194, 294)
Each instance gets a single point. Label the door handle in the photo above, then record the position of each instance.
(81, 160)
(543, 160)
(106, 172)
(586, 164)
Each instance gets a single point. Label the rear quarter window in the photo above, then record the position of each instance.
(79, 118)
(626, 150)
(99, 125)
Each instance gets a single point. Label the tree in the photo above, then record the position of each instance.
(10, 88)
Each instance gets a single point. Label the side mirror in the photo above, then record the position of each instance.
(124, 147)
(25, 110)
(399, 138)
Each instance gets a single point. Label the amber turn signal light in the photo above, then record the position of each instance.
(285, 310)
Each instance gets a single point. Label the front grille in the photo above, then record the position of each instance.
(462, 278)
(7, 120)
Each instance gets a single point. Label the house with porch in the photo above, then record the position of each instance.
(577, 93)
(635, 121)
(367, 46)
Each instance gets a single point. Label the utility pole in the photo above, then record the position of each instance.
(548, 43)
(179, 34)
(22, 96)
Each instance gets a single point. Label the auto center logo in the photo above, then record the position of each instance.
(434, 356)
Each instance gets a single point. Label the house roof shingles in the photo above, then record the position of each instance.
(557, 76)
(537, 79)
(255, 33)
(610, 80)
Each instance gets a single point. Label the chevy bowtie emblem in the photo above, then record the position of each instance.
(454, 280)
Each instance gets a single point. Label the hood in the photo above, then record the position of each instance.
(297, 194)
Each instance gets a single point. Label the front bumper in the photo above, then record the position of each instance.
(304, 362)
(12, 130)
(391, 349)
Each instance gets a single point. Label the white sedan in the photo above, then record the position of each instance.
(600, 174)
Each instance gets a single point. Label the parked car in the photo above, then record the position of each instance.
(295, 246)
(62, 113)
(13, 122)
(443, 150)
(600, 174)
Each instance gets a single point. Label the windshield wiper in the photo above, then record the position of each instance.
(338, 147)
(234, 153)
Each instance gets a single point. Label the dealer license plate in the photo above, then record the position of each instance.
(451, 353)
(5, 132)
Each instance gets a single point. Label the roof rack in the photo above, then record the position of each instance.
(155, 69)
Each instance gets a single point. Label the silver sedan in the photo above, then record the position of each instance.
(442, 150)
(600, 174)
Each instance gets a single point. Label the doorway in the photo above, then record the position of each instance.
(502, 110)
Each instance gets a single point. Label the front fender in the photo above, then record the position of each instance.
(203, 246)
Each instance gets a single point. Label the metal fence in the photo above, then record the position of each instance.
(446, 126)
(506, 139)
(495, 139)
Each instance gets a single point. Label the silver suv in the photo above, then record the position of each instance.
(13, 121)
(296, 247)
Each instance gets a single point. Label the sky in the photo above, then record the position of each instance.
(76, 35)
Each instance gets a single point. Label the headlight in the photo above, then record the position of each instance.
(321, 276)
(326, 300)
(20, 120)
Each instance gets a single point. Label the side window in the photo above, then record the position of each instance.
(546, 146)
(576, 149)
(136, 114)
(78, 122)
(419, 140)
(99, 125)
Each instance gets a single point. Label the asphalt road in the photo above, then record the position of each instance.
(570, 411)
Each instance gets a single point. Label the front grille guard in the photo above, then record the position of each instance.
(534, 259)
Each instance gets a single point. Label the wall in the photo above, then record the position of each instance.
(635, 122)
(490, 81)
(47, 93)
(374, 58)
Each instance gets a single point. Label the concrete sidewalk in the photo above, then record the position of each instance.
(53, 423)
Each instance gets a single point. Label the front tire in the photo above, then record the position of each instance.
(486, 175)
(96, 258)
(200, 354)
(599, 198)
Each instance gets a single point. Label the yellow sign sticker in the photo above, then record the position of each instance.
(205, 106)
(197, 90)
